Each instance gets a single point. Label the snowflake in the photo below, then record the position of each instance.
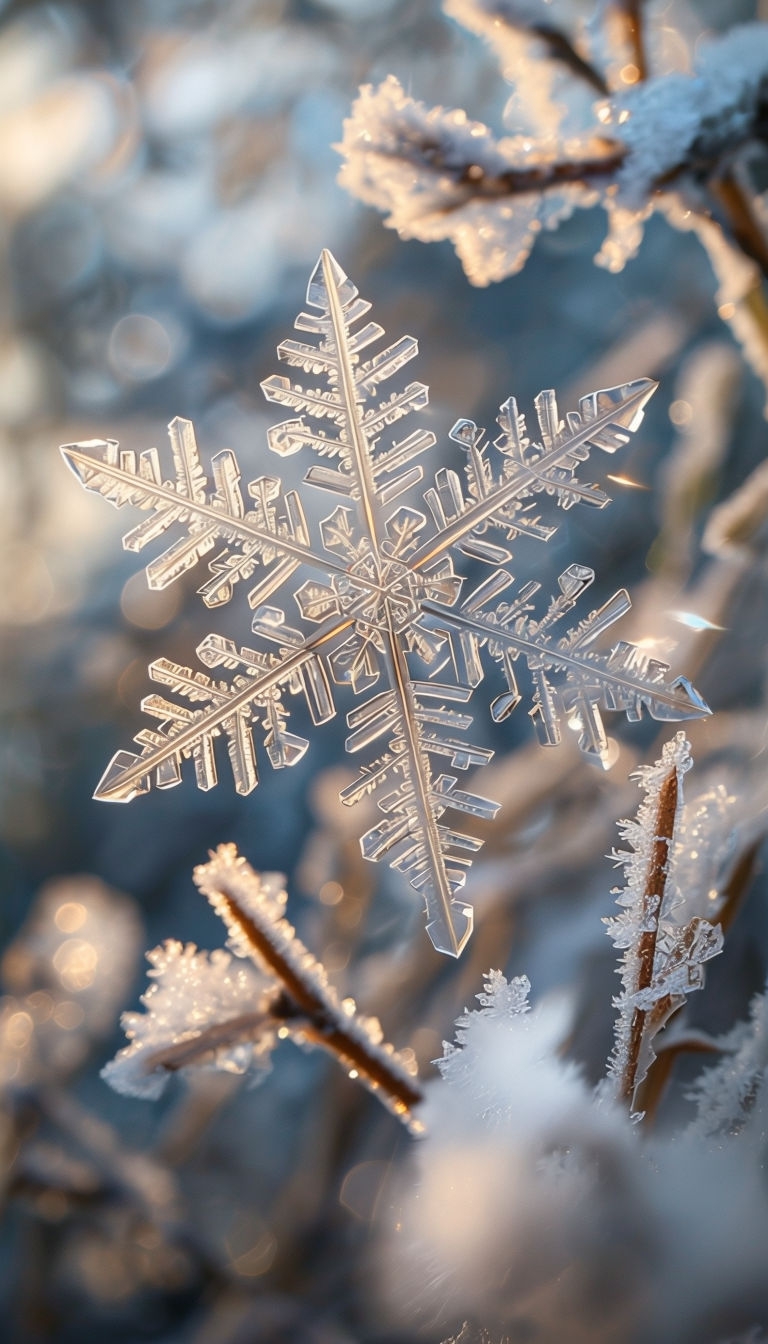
(382, 605)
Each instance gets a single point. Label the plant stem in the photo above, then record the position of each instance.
(304, 1004)
(653, 898)
(562, 49)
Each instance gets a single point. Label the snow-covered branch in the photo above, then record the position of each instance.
(436, 174)
(664, 944)
(228, 1012)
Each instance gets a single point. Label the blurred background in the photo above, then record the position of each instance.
(167, 180)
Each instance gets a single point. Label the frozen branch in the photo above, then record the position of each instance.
(213, 1010)
(307, 1005)
(664, 951)
(436, 174)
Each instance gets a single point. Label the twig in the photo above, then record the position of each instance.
(562, 49)
(653, 896)
(306, 1004)
(514, 181)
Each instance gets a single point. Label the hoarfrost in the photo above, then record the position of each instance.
(191, 992)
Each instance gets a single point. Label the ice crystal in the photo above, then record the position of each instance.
(664, 943)
(225, 1012)
(193, 991)
(377, 593)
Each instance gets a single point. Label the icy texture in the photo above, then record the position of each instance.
(678, 118)
(191, 992)
(379, 608)
(515, 1178)
(664, 944)
(725, 1092)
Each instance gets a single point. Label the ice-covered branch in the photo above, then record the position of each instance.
(436, 174)
(212, 1009)
(663, 956)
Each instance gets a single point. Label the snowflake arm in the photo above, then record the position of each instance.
(226, 708)
(273, 530)
(624, 678)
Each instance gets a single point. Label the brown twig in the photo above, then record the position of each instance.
(562, 50)
(655, 1082)
(738, 216)
(305, 1005)
(514, 181)
(653, 896)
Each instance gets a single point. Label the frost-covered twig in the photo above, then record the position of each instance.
(307, 1003)
(663, 957)
(208, 1009)
(650, 904)
(436, 174)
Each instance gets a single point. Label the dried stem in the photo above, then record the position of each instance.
(304, 1004)
(653, 897)
(654, 1084)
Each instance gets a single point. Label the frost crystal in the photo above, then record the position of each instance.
(377, 593)
(193, 991)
